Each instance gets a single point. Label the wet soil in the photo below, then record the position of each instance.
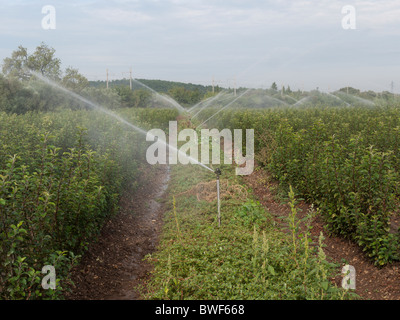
(113, 267)
(372, 282)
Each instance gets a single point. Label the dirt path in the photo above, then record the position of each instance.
(113, 266)
(371, 282)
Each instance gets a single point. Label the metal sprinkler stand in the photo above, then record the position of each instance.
(218, 173)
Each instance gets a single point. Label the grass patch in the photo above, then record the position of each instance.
(246, 258)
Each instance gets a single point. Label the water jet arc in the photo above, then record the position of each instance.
(167, 99)
(112, 114)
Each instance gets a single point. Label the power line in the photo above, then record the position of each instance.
(110, 76)
(130, 78)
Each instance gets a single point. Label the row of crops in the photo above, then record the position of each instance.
(344, 160)
(61, 175)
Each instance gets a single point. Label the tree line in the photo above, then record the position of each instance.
(20, 91)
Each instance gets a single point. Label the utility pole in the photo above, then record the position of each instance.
(234, 89)
(213, 84)
(107, 78)
(130, 78)
(392, 88)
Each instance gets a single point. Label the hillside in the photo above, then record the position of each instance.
(162, 86)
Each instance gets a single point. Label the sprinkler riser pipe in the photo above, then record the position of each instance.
(218, 173)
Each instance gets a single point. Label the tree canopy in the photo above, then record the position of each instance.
(42, 60)
(74, 80)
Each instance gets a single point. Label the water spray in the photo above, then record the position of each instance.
(115, 116)
(136, 128)
(208, 103)
(165, 98)
(224, 107)
(218, 173)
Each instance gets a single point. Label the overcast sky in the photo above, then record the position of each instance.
(297, 43)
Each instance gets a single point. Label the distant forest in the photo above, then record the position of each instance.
(184, 93)
(161, 86)
(21, 92)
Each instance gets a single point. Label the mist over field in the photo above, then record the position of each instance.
(199, 150)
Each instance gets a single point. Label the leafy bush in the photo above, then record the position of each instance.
(61, 175)
(345, 160)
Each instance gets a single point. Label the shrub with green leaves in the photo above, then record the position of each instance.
(345, 160)
(61, 175)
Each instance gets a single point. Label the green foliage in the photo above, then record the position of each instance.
(21, 92)
(61, 175)
(184, 96)
(15, 97)
(161, 86)
(345, 160)
(73, 80)
(139, 98)
(250, 213)
(240, 259)
(43, 60)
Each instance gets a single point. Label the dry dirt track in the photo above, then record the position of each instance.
(113, 266)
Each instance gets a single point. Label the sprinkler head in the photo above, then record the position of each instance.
(218, 172)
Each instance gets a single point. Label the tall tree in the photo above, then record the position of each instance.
(185, 96)
(73, 80)
(15, 65)
(141, 98)
(43, 60)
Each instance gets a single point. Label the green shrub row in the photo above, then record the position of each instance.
(61, 175)
(345, 160)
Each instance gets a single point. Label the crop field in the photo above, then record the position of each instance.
(61, 177)
(345, 160)
(162, 190)
(63, 173)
